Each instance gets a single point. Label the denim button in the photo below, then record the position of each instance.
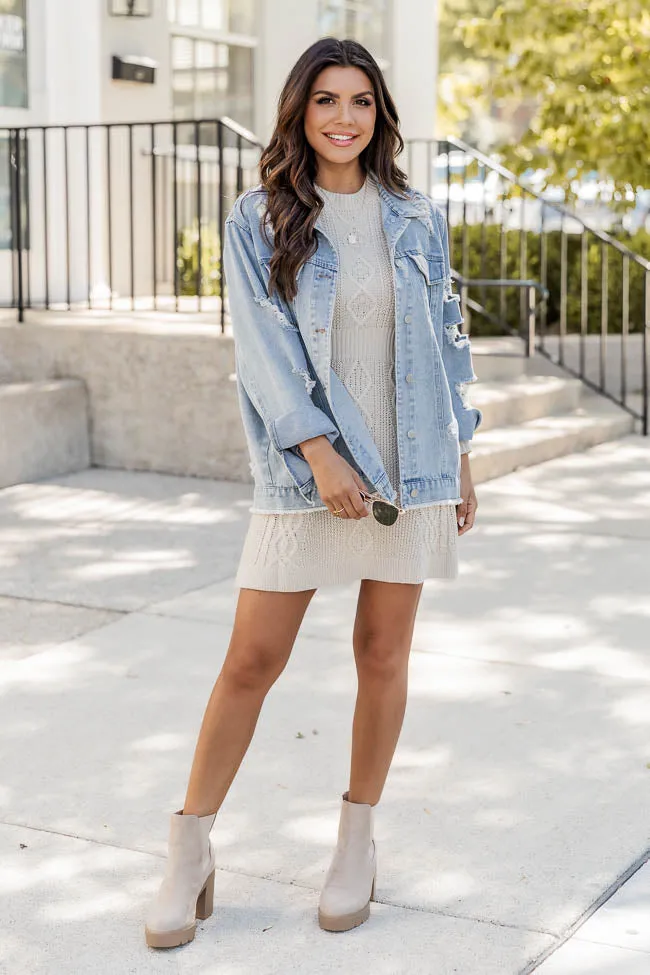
(407, 319)
(410, 433)
(414, 492)
(409, 377)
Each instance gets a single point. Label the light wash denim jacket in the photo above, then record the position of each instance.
(288, 391)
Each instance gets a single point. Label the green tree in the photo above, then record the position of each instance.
(585, 67)
(460, 71)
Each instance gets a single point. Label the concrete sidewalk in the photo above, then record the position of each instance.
(520, 792)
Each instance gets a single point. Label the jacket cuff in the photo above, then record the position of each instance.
(451, 313)
(292, 428)
(468, 420)
(465, 446)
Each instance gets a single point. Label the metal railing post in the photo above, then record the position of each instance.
(18, 243)
(646, 356)
(530, 343)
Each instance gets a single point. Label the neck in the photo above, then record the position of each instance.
(340, 178)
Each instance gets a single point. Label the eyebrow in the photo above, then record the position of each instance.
(333, 94)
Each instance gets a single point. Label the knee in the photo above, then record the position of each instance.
(253, 667)
(379, 658)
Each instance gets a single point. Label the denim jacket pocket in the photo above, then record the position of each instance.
(431, 266)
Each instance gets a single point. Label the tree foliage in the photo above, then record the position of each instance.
(584, 65)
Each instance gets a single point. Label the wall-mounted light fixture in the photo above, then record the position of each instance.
(130, 8)
(139, 69)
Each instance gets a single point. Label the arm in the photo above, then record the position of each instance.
(271, 361)
(456, 350)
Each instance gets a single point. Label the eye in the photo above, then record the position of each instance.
(326, 98)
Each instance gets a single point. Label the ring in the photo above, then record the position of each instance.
(337, 511)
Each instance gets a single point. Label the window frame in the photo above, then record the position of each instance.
(24, 58)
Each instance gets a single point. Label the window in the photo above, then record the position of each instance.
(365, 21)
(229, 16)
(8, 197)
(13, 54)
(211, 79)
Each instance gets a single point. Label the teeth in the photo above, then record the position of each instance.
(341, 138)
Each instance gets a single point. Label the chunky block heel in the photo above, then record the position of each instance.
(205, 900)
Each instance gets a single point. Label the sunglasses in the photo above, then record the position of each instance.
(383, 511)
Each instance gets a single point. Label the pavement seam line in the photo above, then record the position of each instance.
(282, 883)
(591, 910)
(609, 944)
(63, 602)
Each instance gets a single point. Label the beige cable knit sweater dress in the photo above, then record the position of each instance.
(295, 551)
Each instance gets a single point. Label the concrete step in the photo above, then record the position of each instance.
(498, 358)
(491, 367)
(43, 430)
(524, 398)
(503, 449)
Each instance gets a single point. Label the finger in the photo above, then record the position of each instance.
(471, 515)
(359, 505)
(331, 505)
(461, 513)
(349, 506)
(341, 508)
(468, 519)
(359, 481)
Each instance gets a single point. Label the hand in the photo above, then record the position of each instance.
(466, 511)
(338, 483)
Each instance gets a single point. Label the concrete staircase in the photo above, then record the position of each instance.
(43, 429)
(533, 411)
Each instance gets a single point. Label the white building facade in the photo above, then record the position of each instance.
(214, 57)
(94, 200)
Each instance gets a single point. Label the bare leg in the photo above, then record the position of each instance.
(382, 635)
(265, 628)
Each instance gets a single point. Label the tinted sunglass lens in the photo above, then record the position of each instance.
(385, 514)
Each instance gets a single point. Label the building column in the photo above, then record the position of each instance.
(414, 74)
(286, 28)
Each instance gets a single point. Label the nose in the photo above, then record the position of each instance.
(345, 115)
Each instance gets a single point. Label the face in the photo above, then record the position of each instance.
(340, 115)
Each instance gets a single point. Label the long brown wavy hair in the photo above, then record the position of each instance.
(288, 163)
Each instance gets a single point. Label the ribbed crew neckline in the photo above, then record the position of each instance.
(350, 197)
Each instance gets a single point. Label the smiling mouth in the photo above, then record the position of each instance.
(340, 140)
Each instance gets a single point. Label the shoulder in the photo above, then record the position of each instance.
(248, 208)
(430, 209)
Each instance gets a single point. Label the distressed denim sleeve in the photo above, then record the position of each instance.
(271, 361)
(456, 349)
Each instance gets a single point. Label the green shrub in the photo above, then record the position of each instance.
(187, 259)
(484, 267)
(488, 266)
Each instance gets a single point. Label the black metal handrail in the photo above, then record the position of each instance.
(131, 216)
(558, 207)
(533, 307)
(600, 280)
(122, 215)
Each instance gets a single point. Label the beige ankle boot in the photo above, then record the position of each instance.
(187, 888)
(350, 881)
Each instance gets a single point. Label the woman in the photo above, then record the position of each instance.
(336, 419)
